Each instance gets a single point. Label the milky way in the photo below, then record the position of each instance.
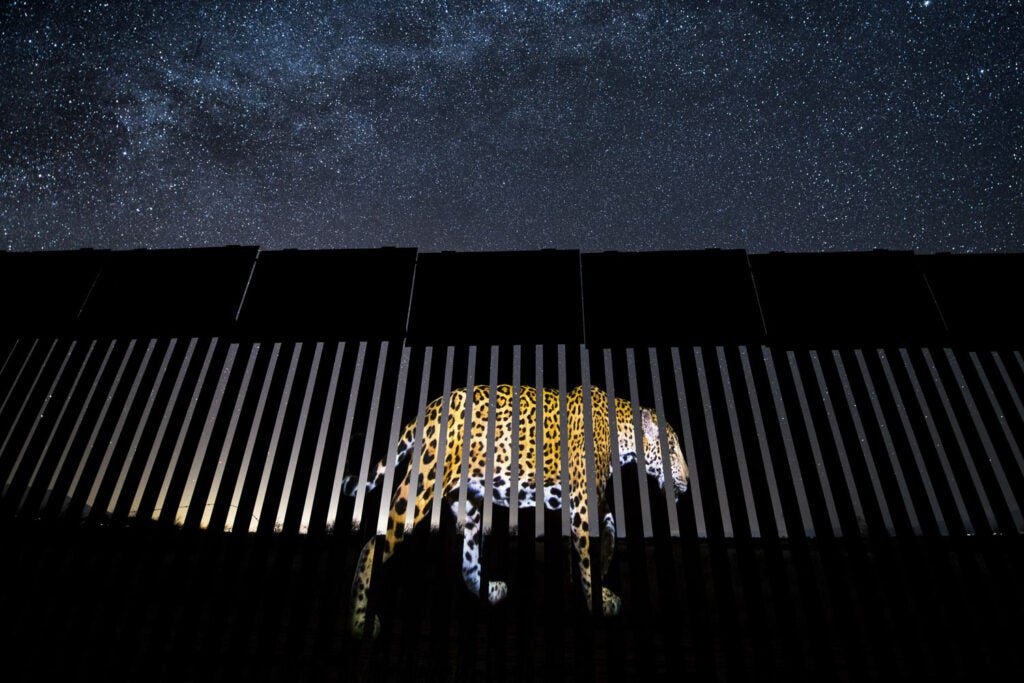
(593, 125)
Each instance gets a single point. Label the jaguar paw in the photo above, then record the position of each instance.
(496, 592)
(610, 603)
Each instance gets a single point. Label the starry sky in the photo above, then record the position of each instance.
(798, 126)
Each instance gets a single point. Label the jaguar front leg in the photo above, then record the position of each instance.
(472, 540)
(611, 603)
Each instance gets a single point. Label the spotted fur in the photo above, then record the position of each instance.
(551, 495)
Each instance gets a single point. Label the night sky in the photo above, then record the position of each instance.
(507, 125)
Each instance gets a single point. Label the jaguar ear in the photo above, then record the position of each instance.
(650, 425)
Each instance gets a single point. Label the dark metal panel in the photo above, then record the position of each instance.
(285, 295)
(27, 398)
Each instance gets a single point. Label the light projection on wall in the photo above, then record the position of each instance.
(481, 447)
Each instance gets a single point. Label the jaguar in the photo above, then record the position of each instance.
(546, 491)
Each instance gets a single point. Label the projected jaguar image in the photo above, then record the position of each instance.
(549, 491)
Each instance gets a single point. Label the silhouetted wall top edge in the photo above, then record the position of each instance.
(601, 298)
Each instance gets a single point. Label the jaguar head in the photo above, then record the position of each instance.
(652, 454)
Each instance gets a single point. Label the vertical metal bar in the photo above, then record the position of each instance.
(961, 442)
(39, 416)
(440, 464)
(300, 431)
(737, 440)
(998, 409)
(890, 449)
(787, 444)
(716, 456)
(613, 438)
(90, 500)
(229, 437)
(467, 436)
(538, 461)
(91, 442)
(513, 503)
(27, 398)
(398, 406)
(563, 444)
(865, 449)
(183, 432)
(321, 440)
(915, 448)
(56, 425)
(638, 441)
(74, 430)
(204, 437)
(275, 439)
(837, 438)
(492, 408)
(691, 451)
(812, 434)
(986, 443)
(762, 441)
(418, 445)
(588, 445)
(17, 377)
(250, 443)
(371, 430)
(346, 436)
(162, 428)
(143, 419)
(940, 449)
